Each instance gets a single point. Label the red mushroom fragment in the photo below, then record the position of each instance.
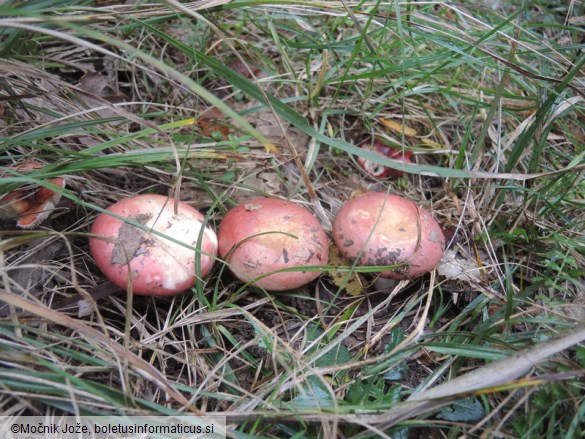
(158, 263)
(376, 170)
(264, 235)
(381, 229)
(30, 205)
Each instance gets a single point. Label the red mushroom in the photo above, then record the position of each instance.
(159, 264)
(376, 170)
(264, 235)
(381, 229)
(30, 205)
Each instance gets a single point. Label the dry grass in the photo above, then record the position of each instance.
(118, 99)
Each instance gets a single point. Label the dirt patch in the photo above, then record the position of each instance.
(130, 240)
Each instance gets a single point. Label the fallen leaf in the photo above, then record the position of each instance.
(398, 127)
(247, 70)
(213, 121)
(433, 144)
(93, 83)
(277, 130)
(574, 308)
(351, 282)
(94, 91)
(454, 266)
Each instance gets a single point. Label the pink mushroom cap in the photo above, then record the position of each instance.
(264, 235)
(159, 265)
(382, 230)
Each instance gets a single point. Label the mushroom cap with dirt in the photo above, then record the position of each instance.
(381, 229)
(265, 235)
(159, 263)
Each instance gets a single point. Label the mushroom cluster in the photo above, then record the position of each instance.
(153, 243)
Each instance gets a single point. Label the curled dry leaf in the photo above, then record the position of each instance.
(453, 266)
(93, 83)
(96, 92)
(213, 121)
(30, 205)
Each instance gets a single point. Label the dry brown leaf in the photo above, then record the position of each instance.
(95, 91)
(254, 185)
(247, 70)
(276, 130)
(575, 307)
(93, 83)
(454, 266)
(213, 121)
